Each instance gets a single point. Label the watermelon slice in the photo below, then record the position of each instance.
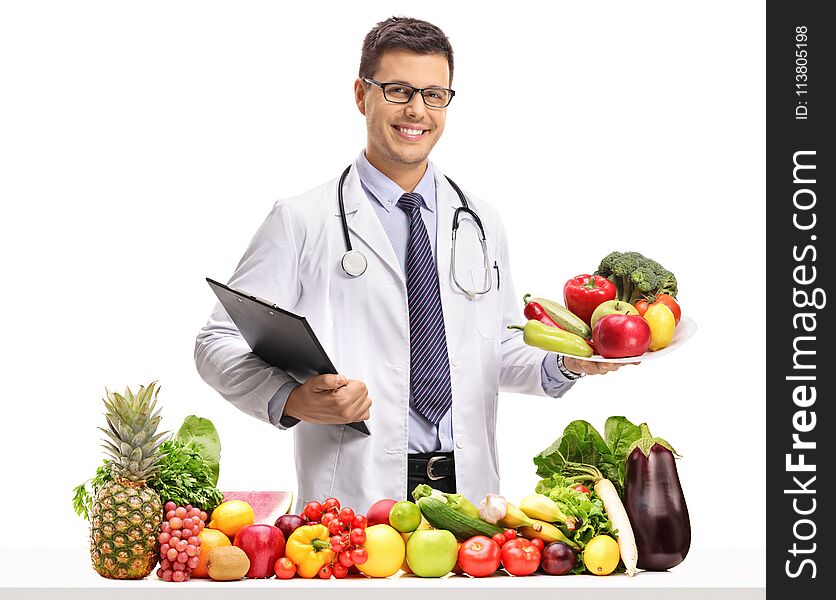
(267, 506)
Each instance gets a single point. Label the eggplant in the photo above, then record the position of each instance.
(655, 504)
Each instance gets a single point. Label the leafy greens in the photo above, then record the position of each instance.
(581, 443)
(188, 473)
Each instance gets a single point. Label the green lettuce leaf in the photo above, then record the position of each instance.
(202, 434)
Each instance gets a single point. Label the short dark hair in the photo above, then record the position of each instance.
(403, 33)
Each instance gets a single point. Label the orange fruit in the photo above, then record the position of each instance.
(209, 540)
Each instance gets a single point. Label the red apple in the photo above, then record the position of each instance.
(379, 511)
(263, 545)
(620, 336)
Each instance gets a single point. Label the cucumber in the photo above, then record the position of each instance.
(463, 527)
(563, 317)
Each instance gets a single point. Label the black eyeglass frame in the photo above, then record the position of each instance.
(414, 89)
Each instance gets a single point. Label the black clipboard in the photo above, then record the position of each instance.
(277, 336)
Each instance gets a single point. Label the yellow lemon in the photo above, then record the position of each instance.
(600, 557)
(386, 550)
(231, 516)
(662, 323)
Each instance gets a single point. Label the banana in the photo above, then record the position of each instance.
(546, 532)
(514, 517)
(538, 506)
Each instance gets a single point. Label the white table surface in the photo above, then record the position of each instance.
(66, 572)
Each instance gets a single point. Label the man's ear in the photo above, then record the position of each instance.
(360, 96)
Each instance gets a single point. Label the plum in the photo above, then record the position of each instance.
(558, 558)
(289, 523)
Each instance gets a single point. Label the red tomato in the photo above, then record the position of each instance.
(284, 568)
(340, 571)
(479, 556)
(641, 306)
(540, 544)
(510, 534)
(331, 503)
(581, 488)
(520, 557)
(672, 304)
(499, 538)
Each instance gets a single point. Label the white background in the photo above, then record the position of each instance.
(142, 144)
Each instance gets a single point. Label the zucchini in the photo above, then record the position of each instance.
(441, 516)
(562, 316)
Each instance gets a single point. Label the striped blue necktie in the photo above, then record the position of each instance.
(429, 379)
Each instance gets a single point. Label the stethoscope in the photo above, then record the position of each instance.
(354, 262)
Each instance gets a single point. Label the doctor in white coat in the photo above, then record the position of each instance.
(364, 323)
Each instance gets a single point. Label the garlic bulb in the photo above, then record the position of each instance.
(492, 508)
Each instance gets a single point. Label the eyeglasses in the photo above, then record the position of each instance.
(400, 93)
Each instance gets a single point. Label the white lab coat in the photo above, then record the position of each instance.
(363, 324)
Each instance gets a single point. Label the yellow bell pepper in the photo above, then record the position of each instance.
(309, 547)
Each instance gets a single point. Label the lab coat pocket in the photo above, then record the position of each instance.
(488, 306)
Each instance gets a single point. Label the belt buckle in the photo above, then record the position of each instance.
(430, 464)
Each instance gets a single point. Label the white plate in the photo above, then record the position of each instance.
(684, 330)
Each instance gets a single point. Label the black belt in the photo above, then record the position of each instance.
(431, 465)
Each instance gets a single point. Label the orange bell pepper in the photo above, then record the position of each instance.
(309, 547)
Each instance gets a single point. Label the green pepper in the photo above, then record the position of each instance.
(542, 336)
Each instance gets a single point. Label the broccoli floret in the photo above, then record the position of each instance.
(635, 276)
(605, 268)
(645, 281)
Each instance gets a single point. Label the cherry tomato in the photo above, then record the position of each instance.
(334, 526)
(480, 556)
(520, 557)
(336, 543)
(340, 571)
(345, 559)
(359, 556)
(641, 306)
(331, 503)
(313, 510)
(358, 536)
(510, 534)
(672, 304)
(499, 538)
(327, 518)
(346, 516)
(540, 544)
(345, 539)
(284, 568)
(325, 572)
(360, 521)
(581, 488)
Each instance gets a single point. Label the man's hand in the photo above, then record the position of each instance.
(330, 400)
(591, 368)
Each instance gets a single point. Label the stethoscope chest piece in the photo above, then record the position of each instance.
(354, 263)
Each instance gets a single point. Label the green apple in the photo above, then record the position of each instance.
(431, 552)
(612, 307)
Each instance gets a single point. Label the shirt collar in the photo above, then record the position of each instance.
(386, 191)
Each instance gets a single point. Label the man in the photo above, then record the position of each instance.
(426, 339)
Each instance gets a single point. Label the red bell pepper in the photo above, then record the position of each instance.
(583, 294)
(534, 311)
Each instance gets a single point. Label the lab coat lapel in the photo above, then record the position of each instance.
(446, 203)
(364, 223)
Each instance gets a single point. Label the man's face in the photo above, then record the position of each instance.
(403, 134)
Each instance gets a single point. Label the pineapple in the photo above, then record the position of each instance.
(127, 514)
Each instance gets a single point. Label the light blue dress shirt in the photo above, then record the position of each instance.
(383, 194)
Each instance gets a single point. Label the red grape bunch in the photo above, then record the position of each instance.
(348, 534)
(179, 541)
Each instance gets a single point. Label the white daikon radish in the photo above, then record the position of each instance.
(615, 511)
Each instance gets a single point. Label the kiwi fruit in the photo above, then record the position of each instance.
(227, 563)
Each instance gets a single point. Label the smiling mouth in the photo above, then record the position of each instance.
(409, 132)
